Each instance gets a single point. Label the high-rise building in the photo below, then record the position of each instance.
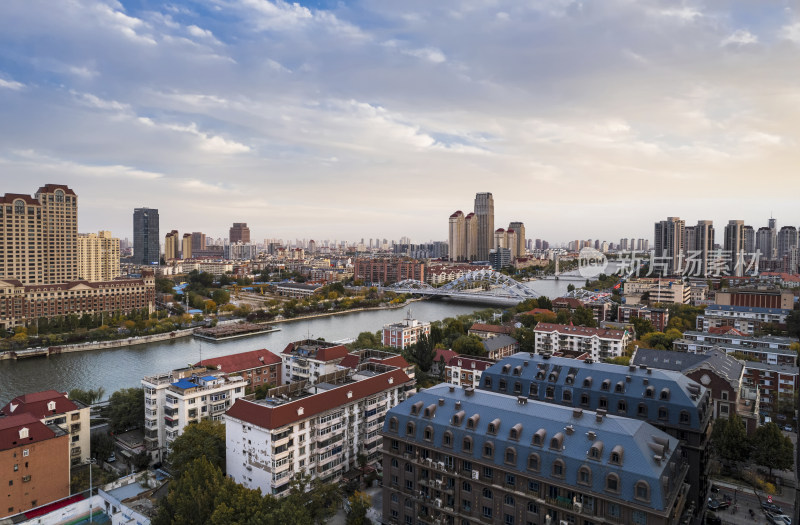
(787, 239)
(749, 235)
(519, 229)
(198, 241)
(98, 256)
(239, 232)
(146, 239)
(186, 246)
(172, 246)
(471, 232)
(457, 238)
(703, 246)
(40, 236)
(767, 242)
(669, 244)
(484, 211)
(734, 247)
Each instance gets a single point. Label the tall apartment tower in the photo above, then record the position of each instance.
(457, 237)
(39, 244)
(669, 242)
(146, 238)
(239, 232)
(749, 235)
(767, 242)
(186, 246)
(98, 256)
(471, 232)
(484, 211)
(172, 243)
(519, 228)
(787, 239)
(198, 241)
(703, 245)
(734, 247)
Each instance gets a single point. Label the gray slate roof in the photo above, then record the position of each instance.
(639, 441)
(725, 366)
(498, 342)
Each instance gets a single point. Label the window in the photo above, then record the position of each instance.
(533, 462)
(606, 385)
(642, 410)
(616, 456)
(650, 392)
(487, 493)
(487, 382)
(466, 505)
(466, 486)
(538, 437)
(488, 472)
(664, 395)
(533, 507)
(596, 450)
(549, 392)
(472, 422)
(557, 441)
(587, 383)
(622, 406)
(533, 486)
(602, 402)
(488, 450)
(25, 453)
(558, 468)
(509, 519)
(393, 424)
(566, 396)
(394, 497)
(447, 440)
(534, 390)
(409, 484)
(502, 385)
(619, 387)
(511, 480)
(638, 517)
(612, 483)
(613, 510)
(487, 512)
(466, 465)
(493, 427)
(585, 475)
(409, 467)
(517, 387)
(410, 428)
(663, 413)
(467, 444)
(642, 491)
(585, 400)
(515, 432)
(511, 456)
(684, 417)
(428, 434)
(395, 444)
(394, 462)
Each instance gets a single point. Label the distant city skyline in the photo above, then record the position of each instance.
(343, 119)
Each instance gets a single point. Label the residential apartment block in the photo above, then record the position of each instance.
(309, 359)
(387, 270)
(766, 349)
(777, 385)
(744, 318)
(257, 367)
(98, 257)
(55, 409)
(405, 333)
(319, 430)
(35, 461)
(465, 371)
(659, 317)
(667, 400)
(756, 298)
(657, 290)
(183, 396)
(462, 456)
(600, 343)
(21, 303)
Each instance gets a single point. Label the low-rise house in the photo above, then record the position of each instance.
(466, 371)
(500, 346)
(405, 333)
(599, 342)
(487, 331)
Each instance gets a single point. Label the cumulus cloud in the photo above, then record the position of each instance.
(11, 84)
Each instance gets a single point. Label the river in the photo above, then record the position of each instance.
(124, 367)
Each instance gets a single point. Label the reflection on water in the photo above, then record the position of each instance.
(124, 367)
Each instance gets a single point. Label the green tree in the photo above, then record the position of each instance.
(469, 345)
(204, 439)
(220, 296)
(102, 445)
(584, 317)
(793, 323)
(422, 353)
(729, 439)
(526, 339)
(87, 397)
(528, 321)
(360, 503)
(545, 303)
(193, 496)
(772, 449)
(570, 287)
(126, 409)
(642, 326)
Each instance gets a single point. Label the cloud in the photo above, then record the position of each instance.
(11, 84)
(740, 37)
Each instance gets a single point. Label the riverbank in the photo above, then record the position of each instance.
(354, 310)
(94, 345)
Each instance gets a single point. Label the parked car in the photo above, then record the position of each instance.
(112, 458)
(779, 519)
(771, 507)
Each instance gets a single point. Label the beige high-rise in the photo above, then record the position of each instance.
(186, 251)
(171, 246)
(519, 229)
(457, 237)
(98, 256)
(39, 235)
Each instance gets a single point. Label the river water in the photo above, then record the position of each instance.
(124, 367)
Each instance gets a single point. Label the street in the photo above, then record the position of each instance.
(746, 500)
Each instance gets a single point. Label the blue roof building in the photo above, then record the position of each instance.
(466, 456)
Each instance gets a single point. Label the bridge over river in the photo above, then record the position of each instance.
(480, 286)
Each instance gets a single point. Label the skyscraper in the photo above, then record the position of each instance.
(239, 232)
(186, 246)
(198, 241)
(98, 256)
(172, 245)
(787, 239)
(519, 228)
(669, 244)
(766, 242)
(457, 238)
(145, 236)
(471, 232)
(734, 247)
(41, 236)
(484, 211)
(703, 245)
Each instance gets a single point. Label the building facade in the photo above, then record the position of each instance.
(258, 367)
(146, 239)
(756, 298)
(20, 304)
(186, 246)
(309, 359)
(172, 246)
(484, 213)
(405, 333)
(659, 317)
(183, 396)
(461, 456)
(777, 385)
(319, 432)
(39, 244)
(457, 237)
(387, 270)
(666, 399)
(239, 232)
(669, 245)
(465, 371)
(600, 343)
(35, 459)
(98, 257)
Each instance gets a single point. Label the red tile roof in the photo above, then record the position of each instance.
(10, 427)
(395, 360)
(322, 353)
(493, 328)
(584, 331)
(458, 213)
(272, 417)
(240, 362)
(50, 188)
(466, 362)
(444, 355)
(725, 330)
(568, 302)
(36, 404)
(350, 361)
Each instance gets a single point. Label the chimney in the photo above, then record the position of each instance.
(522, 400)
(452, 388)
(441, 402)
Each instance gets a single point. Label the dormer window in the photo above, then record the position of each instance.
(612, 483)
(466, 444)
(410, 428)
(428, 433)
(684, 418)
(642, 491)
(606, 385)
(393, 424)
(587, 383)
(515, 432)
(511, 456)
(664, 395)
(617, 454)
(538, 437)
(566, 396)
(430, 410)
(415, 408)
(650, 392)
(517, 370)
(51, 406)
(487, 382)
(642, 411)
(558, 468)
(23, 433)
(557, 441)
(472, 422)
(506, 368)
(534, 390)
(447, 440)
(533, 462)
(596, 451)
(488, 449)
(619, 387)
(493, 427)
(458, 418)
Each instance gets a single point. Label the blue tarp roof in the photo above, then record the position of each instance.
(208, 378)
(184, 384)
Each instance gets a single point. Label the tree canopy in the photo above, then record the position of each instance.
(772, 449)
(126, 409)
(204, 439)
(729, 439)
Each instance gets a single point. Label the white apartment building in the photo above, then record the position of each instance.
(309, 359)
(404, 334)
(183, 396)
(600, 343)
(658, 290)
(750, 313)
(465, 371)
(322, 434)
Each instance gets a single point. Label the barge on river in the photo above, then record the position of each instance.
(232, 331)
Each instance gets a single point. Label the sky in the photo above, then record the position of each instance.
(343, 120)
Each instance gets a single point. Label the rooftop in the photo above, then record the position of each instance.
(584, 331)
(719, 362)
(751, 309)
(315, 349)
(39, 404)
(242, 361)
(13, 431)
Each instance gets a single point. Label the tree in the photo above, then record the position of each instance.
(772, 449)
(220, 296)
(545, 303)
(126, 409)
(729, 439)
(360, 503)
(101, 445)
(204, 439)
(422, 353)
(584, 317)
(528, 321)
(570, 287)
(469, 345)
(793, 323)
(87, 397)
(642, 326)
(526, 339)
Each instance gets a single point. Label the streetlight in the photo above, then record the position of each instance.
(90, 461)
